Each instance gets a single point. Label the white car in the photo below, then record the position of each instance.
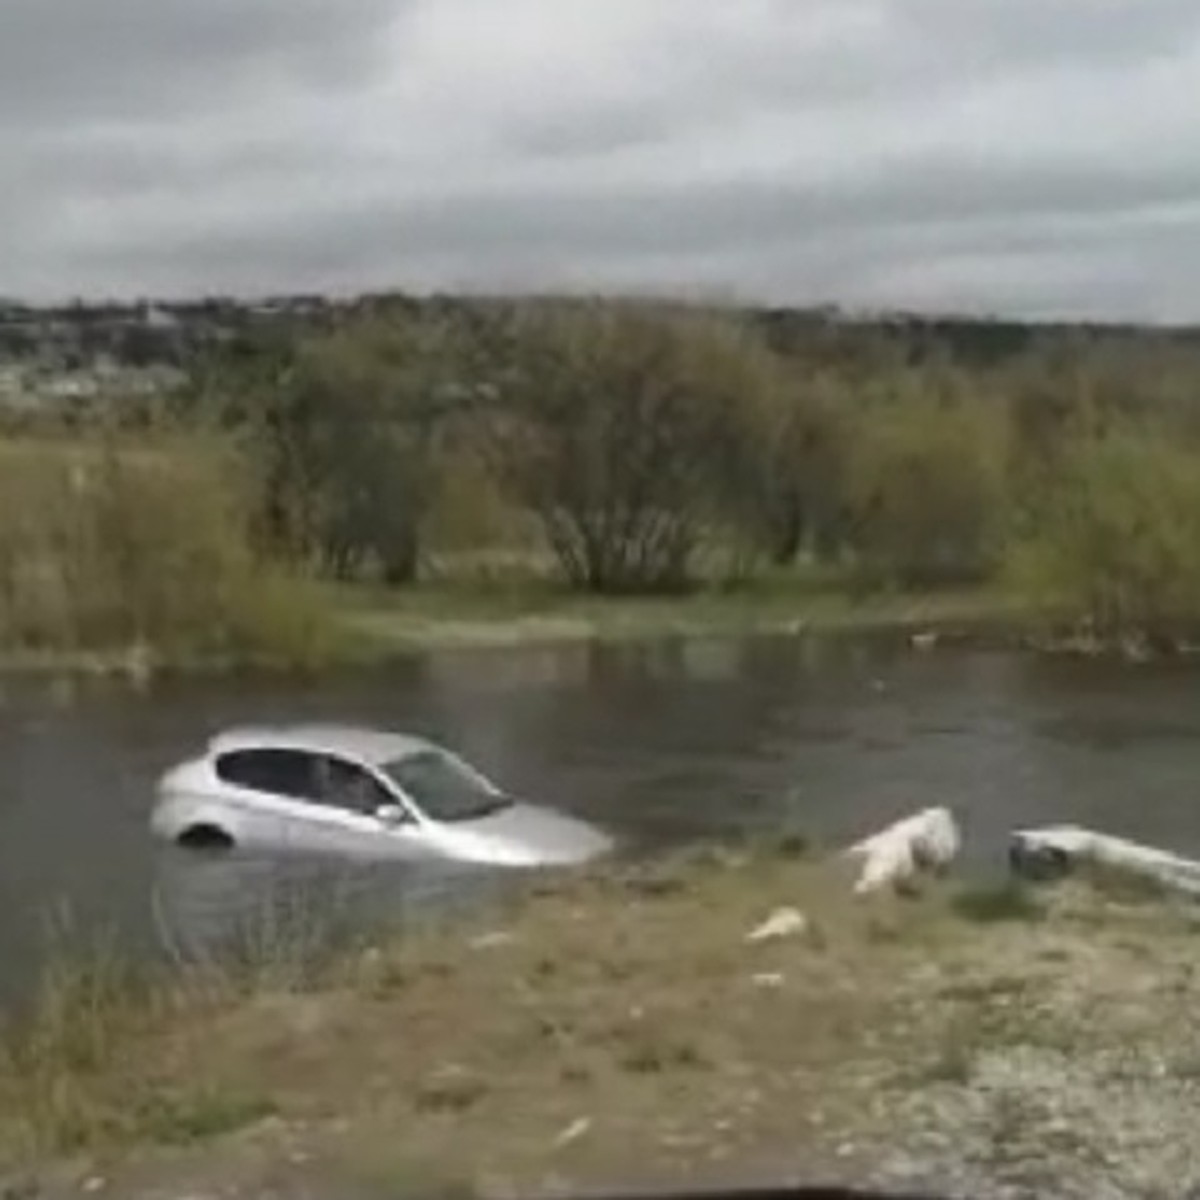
(330, 788)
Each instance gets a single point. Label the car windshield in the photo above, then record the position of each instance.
(443, 789)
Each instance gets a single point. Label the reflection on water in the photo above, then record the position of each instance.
(661, 742)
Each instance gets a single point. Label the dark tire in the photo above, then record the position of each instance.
(205, 837)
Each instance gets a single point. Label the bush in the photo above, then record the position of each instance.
(345, 436)
(106, 544)
(792, 492)
(616, 425)
(1115, 542)
(928, 490)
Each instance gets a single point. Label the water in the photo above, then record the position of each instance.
(662, 743)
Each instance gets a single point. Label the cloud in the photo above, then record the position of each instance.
(1025, 156)
(73, 62)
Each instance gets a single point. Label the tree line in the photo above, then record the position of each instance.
(652, 447)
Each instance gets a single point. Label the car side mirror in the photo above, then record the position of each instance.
(391, 814)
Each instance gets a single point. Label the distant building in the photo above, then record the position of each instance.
(75, 385)
(12, 379)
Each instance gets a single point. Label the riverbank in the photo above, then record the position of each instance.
(449, 616)
(364, 627)
(355, 626)
(623, 1027)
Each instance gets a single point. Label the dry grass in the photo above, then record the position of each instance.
(602, 1028)
(110, 544)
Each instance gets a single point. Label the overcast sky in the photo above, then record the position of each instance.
(1035, 157)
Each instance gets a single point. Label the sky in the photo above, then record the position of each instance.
(1031, 158)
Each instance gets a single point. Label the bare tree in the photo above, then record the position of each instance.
(616, 423)
(344, 427)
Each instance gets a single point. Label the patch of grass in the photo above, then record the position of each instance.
(385, 1173)
(86, 1010)
(661, 884)
(1014, 1121)
(980, 990)
(75, 1068)
(954, 1064)
(994, 903)
(389, 979)
(1185, 1065)
(451, 1089)
(1053, 954)
(982, 1014)
(786, 844)
(197, 1116)
(1126, 887)
(881, 932)
(653, 1052)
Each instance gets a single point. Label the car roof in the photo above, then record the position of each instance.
(376, 746)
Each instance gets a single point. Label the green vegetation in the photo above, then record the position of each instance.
(1116, 540)
(687, 466)
(1007, 901)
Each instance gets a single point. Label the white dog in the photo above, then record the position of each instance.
(928, 841)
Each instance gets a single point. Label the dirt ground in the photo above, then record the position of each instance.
(623, 1029)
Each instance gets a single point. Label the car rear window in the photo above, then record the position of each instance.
(280, 772)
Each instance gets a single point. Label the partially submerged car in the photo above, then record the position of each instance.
(340, 789)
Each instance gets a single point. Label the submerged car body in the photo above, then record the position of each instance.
(339, 789)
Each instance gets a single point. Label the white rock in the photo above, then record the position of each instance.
(573, 1132)
(783, 922)
(487, 941)
(768, 980)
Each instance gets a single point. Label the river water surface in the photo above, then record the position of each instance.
(662, 743)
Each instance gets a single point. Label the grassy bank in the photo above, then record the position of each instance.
(356, 625)
(323, 626)
(622, 1028)
(462, 614)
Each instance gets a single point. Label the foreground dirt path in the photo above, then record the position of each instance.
(625, 1030)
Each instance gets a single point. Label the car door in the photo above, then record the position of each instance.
(352, 799)
(271, 789)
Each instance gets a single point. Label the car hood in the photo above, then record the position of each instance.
(529, 835)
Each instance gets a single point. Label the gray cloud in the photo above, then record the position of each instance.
(1019, 155)
(81, 61)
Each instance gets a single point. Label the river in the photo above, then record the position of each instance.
(662, 743)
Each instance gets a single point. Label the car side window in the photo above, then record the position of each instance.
(346, 785)
(278, 772)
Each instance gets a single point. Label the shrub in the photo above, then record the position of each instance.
(928, 490)
(1115, 541)
(106, 544)
(344, 433)
(616, 424)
